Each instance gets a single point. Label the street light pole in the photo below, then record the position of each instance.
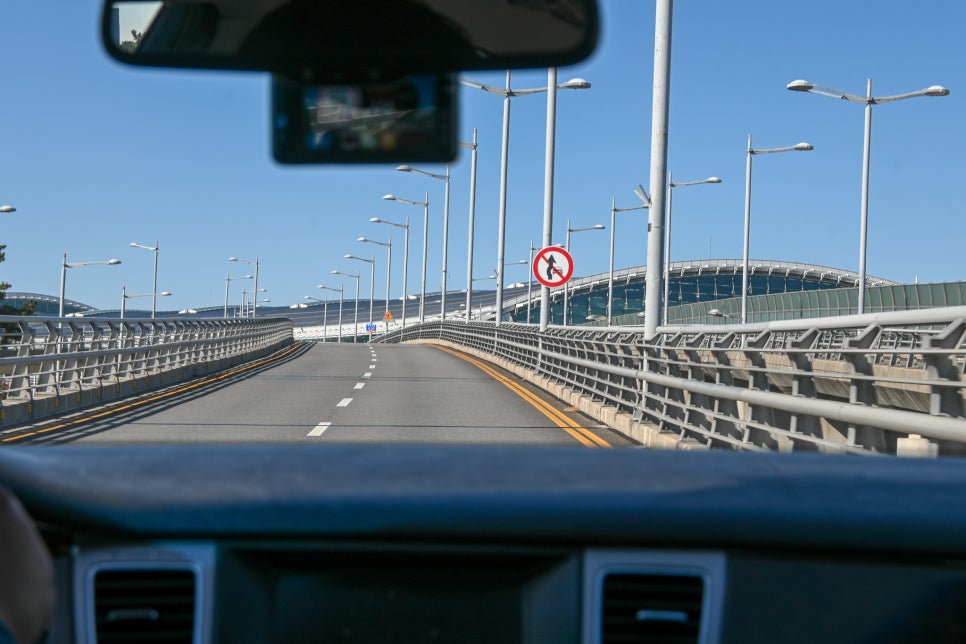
(229, 279)
(613, 228)
(325, 313)
(798, 147)
(440, 177)
(388, 246)
(154, 289)
(567, 286)
(667, 244)
(372, 279)
(340, 291)
(405, 227)
(507, 93)
(255, 264)
(125, 297)
(63, 276)
(356, 276)
(471, 225)
(868, 100)
(425, 205)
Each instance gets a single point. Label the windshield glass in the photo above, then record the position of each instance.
(152, 193)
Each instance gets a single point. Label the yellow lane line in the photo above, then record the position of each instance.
(583, 435)
(154, 398)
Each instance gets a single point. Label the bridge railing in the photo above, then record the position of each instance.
(881, 383)
(52, 365)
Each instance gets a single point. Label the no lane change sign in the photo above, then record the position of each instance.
(553, 266)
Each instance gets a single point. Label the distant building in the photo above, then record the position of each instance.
(114, 28)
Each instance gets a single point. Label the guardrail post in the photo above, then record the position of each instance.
(945, 400)
(861, 390)
(758, 380)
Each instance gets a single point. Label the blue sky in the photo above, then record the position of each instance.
(95, 155)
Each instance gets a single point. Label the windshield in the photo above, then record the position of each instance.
(152, 193)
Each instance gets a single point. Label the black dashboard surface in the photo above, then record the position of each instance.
(546, 495)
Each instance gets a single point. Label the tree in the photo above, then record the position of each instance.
(128, 46)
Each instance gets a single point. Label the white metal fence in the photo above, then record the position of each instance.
(883, 383)
(51, 365)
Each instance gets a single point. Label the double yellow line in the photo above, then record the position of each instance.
(583, 435)
(150, 399)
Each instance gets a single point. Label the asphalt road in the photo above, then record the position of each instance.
(350, 393)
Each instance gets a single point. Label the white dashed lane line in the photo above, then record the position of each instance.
(344, 402)
(360, 385)
(319, 429)
(367, 374)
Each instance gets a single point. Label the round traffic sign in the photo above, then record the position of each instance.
(553, 266)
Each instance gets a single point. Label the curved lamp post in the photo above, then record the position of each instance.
(667, 239)
(798, 147)
(868, 100)
(63, 276)
(506, 92)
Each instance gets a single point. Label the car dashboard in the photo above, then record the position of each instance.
(402, 543)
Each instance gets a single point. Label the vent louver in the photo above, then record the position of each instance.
(144, 606)
(652, 608)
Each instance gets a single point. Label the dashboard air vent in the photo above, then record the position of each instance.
(652, 608)
(144, 606)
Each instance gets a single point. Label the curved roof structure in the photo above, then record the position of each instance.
(689, 282)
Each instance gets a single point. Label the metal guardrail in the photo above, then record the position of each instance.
(75, 362)
(858, 384)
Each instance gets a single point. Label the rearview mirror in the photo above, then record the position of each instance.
(326, 41)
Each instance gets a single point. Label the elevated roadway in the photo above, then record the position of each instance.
(343, 393)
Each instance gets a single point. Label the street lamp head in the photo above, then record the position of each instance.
(164, 294)
(799, 86)
(935, 90)
(804, 147)
(713, 180)
(575, 83)
(113, 262)
(7, 209)
(336, 273)
(389, 197)
(598, 227)
(362, 239)
(642, 195)
(404, 168)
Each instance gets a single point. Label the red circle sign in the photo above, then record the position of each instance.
(553, 266)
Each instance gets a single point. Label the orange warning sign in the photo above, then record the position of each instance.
(387, 316)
